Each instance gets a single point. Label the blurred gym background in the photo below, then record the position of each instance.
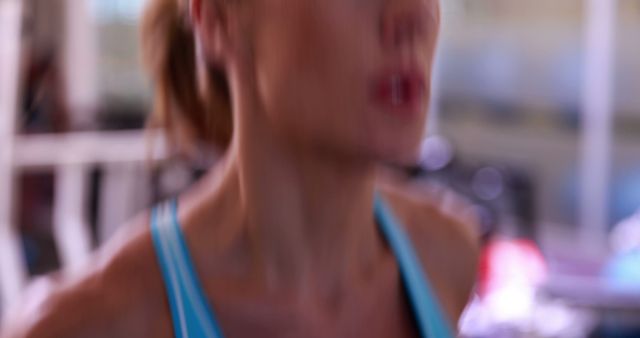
(535, 120)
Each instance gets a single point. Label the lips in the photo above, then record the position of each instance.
(400, 92)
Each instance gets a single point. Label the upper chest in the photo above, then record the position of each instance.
(378, 308)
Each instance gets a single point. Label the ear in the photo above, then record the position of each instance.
(210, 25)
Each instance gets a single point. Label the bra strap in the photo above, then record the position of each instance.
(429, 316)
(191, 314)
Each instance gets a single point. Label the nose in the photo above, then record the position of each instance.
(404, 22)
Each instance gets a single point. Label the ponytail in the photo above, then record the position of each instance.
(191, 101)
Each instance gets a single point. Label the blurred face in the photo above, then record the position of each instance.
(349, 77)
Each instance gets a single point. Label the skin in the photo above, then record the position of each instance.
(282, 232)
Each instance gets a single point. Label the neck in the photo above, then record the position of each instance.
(307, 214)
(309, 218)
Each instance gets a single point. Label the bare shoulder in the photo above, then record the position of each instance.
(108, 298)
(444, 233)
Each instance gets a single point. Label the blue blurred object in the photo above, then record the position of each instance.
(625, 194)
(623, 271)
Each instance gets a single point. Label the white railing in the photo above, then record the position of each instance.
(12, 271)
(71, 156)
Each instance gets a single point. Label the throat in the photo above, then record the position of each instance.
(310, 229)
(325, 252)
(308, 216)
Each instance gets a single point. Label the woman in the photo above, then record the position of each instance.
(293, 234)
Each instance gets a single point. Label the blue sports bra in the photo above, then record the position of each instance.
(193, 316)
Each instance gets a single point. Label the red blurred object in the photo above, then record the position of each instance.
(510, 261)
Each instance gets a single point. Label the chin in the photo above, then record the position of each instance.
(400, 151)
(404, 157)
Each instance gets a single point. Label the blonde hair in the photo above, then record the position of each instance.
(191, 97)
